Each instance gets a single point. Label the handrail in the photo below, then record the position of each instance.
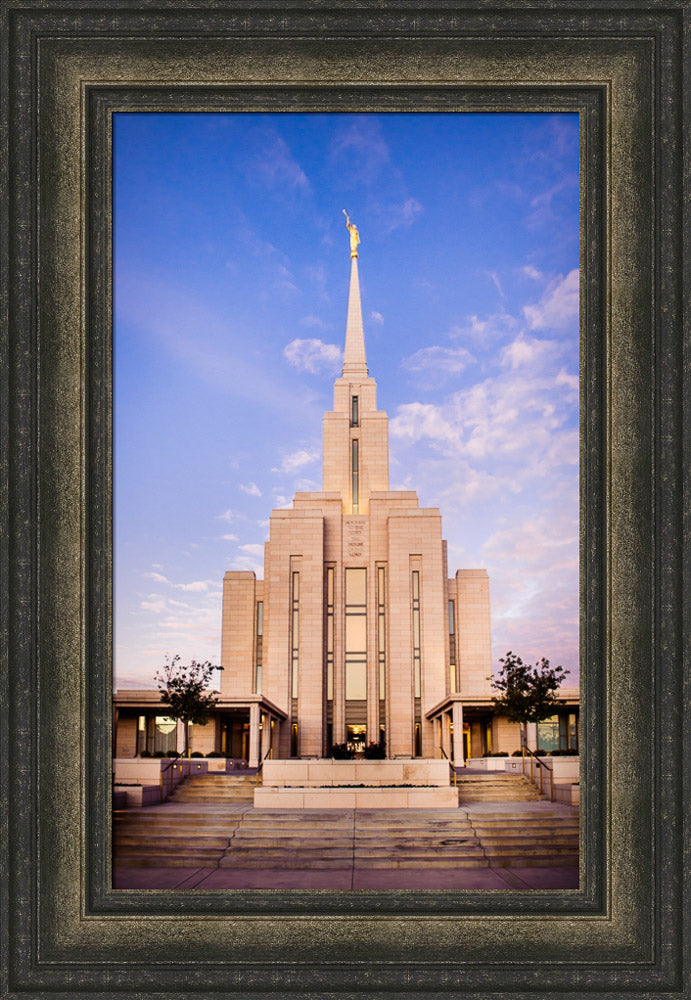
(451, 765)
(269, 753)
(541, 763)
(172, 763)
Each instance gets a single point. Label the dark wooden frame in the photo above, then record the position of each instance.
(67, 64)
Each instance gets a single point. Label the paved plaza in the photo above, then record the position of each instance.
(378, 848)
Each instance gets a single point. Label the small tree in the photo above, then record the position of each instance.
(529, 692)
(183, 689)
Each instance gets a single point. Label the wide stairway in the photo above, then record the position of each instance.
(238, 836)
(226, 788)
(495, 786)
(360, 838)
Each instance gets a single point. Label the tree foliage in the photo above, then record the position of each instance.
(183, 689)
(528, 692)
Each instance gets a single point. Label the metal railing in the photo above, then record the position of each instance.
(542, 765)
(450, 763)
(171, 766)
(269, 753)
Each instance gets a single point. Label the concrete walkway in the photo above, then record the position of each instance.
(348, 878)
(353, 877)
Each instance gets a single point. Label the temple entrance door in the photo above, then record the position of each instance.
(235, 729)
(466, 740)
(357, 739)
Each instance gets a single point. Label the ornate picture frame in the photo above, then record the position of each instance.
(67, 67)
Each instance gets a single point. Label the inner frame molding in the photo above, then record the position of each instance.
(69, 68)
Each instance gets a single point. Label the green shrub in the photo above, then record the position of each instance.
(170, 753)
(145, 753)
(375, 751)
(517, 753)
(158, 753)
(341, 751)
(215, 753)
(498, 753)
(196, 754)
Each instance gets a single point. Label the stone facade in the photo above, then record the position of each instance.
(356, 634)
(362, 631)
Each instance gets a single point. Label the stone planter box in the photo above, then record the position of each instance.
(135, 796)
(356, 798)
(486, 763)
(568, 794)
(319, 773)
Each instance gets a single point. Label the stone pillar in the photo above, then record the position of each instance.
(262, 735)
(531, 735)
(457, 716)
(253, 760)
(446, 733)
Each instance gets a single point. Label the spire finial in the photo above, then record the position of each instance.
(354, 235)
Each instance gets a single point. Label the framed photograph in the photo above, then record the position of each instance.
(70, 72)
(247, 316)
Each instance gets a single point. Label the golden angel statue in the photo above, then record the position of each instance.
(354, 235)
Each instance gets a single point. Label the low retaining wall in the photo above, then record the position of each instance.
(331, 773)
(568, 794)
(136, 795)
(356, 798)
(356, 784)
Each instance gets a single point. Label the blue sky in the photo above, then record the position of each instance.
(231, 268)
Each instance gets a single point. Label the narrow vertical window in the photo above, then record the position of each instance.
(356, 638)
(416, 635)
(381, 631)
(417, 658)
(295, 633)
(329, 633)
(354, 412)
(453, 678)
(356, 475)
(258, 647)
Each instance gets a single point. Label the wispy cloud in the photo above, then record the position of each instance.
(400, 215)
(251, 489)
(230, 515)
(312, 355)
(376, 317)
(514, 416)
(526, 350)
(276, 166)
(253, 550)
(493, 328)
(543, 204)
(314, 321)
(534, 567)
(439, 360)
(531, 272)
(558, 306)
(298, 459)
(361, 145)
(494, 278)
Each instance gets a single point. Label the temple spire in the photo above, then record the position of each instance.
(354, 357)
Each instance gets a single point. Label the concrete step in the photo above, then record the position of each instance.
(496, 787)
(215, 788)
(179, 861)
(173, 836)
(318, 864)
(179, 843)
(535, 861)
(461, 861)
